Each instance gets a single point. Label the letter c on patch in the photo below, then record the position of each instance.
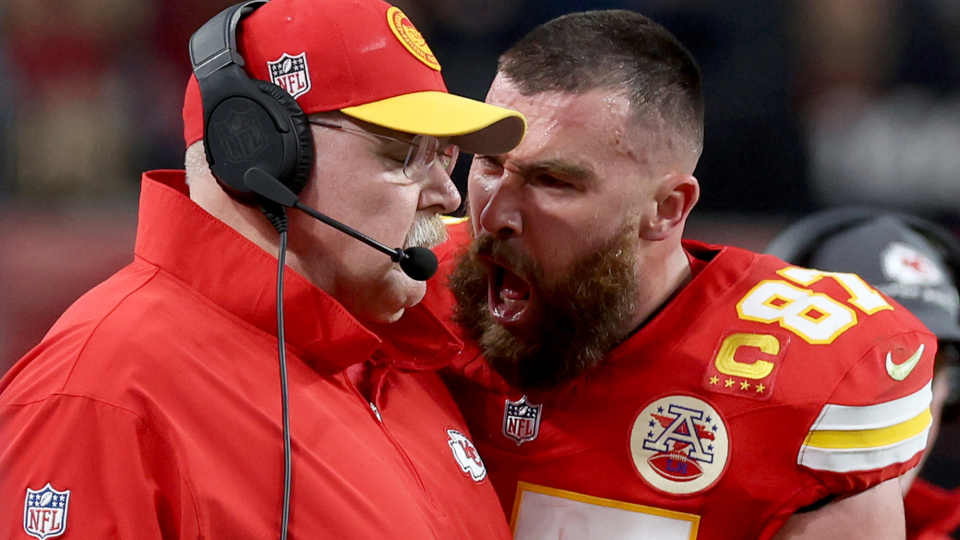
(726, 364)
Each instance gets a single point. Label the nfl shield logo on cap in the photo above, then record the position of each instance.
(291, 74)
(45, 512)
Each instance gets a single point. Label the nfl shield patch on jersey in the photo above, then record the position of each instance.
(679, 445)
(45, 512)
(521, 420)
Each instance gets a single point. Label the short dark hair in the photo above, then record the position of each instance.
(617, 50)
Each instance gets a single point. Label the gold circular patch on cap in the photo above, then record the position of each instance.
(411, 38)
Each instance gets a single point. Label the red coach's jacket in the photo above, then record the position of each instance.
(152, 408)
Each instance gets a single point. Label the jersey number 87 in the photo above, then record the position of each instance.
(815, 317)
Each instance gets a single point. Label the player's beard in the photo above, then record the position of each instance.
(579, 317)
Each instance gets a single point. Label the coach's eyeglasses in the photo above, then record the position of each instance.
(423, 153)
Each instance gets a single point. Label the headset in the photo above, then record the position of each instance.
(247, 123)
(258, 141)
(799, 242)
(253, 126)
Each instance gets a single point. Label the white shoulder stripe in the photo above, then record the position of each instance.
(846, 438)
(862, 459)
(846, 418)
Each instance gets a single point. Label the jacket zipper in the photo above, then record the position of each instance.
(381, 374)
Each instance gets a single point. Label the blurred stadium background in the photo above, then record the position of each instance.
(810, 104)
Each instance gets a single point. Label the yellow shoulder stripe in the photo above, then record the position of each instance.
(870, 438)
(861, 438)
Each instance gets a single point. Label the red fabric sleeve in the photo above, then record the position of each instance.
(878, 424)
(122, 476)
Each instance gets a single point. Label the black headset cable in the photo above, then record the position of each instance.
(277, 215)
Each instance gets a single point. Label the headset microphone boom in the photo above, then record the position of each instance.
(418, 263)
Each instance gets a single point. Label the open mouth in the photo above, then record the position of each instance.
(508, 296)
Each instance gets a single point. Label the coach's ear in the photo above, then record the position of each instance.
(674, 199)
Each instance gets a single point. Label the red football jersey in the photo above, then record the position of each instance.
(761, 388)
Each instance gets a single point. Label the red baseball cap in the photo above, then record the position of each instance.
(366, 59)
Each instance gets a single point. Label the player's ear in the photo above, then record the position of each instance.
(674, 199)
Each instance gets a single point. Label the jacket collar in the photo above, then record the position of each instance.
(237, 276)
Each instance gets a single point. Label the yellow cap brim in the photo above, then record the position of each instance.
(476, 127)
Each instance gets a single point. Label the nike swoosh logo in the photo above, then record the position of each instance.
(900, 372)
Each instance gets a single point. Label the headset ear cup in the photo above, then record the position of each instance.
(303, 166)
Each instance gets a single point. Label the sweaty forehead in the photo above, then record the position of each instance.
(593, 125)
(554, 107)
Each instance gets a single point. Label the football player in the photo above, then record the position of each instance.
(622, 383)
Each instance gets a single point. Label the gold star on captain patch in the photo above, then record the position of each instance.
(714, 379)
(728, 383)
(760, 388)
(744, 385)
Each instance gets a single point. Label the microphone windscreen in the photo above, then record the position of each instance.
(420, 263)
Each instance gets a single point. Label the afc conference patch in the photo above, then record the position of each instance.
(45, 512)
(679, 445)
